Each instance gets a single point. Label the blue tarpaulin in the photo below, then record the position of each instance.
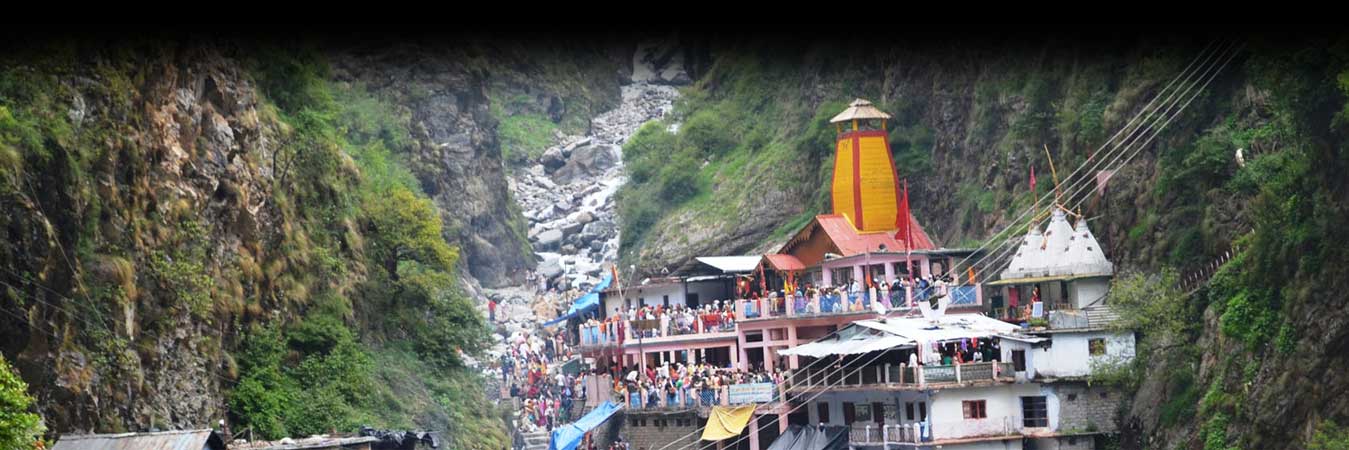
(585, 302)
(567, 436)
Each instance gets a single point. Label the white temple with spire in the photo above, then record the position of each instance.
(1062, 266)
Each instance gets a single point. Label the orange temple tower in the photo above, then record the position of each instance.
(866, 185)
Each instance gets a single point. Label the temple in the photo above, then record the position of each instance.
(861, 322)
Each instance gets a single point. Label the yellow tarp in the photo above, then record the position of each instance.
(727, 422)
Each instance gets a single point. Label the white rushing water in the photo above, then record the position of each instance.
(568, 194)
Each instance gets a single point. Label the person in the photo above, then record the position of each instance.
(671, 393)
(491, 310)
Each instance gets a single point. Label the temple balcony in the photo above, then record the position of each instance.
(899, 377)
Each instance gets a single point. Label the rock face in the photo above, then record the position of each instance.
(457, 157)
(186, 144)
(567, 196)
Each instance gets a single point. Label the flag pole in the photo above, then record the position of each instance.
(908, 244)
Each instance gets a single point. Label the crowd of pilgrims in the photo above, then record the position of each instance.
(649, 321)
(545, 397)
(853, 295)
(680, 385)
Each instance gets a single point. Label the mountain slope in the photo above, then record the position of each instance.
(281, 237)
(1252, 349)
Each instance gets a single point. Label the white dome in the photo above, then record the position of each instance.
(1061, 250)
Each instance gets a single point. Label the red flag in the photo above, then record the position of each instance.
(902, 218)
(763, 281)
(1032, 179)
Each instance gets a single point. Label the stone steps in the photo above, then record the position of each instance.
(537, 440)
(1101, 316)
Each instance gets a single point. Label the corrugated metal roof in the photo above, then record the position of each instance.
(866, 336)
(312, 442)
(731, 264)
(859, 110)
(163, 440)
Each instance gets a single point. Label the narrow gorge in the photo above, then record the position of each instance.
(280, 238)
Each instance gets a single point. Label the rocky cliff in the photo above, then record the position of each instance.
(239, 230)
(137, 193)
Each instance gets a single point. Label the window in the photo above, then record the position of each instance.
(1072, 397)
(975, 409)
(1019, 360)
(908, 411)
(922, 410)
(1034, 412)
(1096, 346)
(823, 409)
(891, 413)
(863, 412)
(667, 301)
(849, 413)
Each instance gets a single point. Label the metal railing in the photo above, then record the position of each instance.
(885, 433)
(900, 375)
(616, 333)
(849, 303)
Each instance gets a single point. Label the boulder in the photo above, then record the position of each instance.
(588, 160)
(583, 217)
(549, 268)
(572, 228)
(549, 238)
(572, 146)
(552, 159)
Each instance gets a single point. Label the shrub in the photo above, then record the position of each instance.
(18, 427)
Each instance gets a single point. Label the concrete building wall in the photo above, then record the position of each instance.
(835, 401)
(652, 295)
(1070, 356)
(650, 431)
(1086, 409)
(1002, 407)
(1010, 444)
(711, 290)
(1087, 291)
(1063, 443)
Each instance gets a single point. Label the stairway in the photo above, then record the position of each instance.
(537, 440)
(1100, 316)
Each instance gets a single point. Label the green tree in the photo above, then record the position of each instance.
(18, 427)
(1329, 436)
(408, 228)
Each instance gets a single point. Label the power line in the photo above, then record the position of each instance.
(1081, 188)
(801, 404)
(1120, 148)
(1145, 114)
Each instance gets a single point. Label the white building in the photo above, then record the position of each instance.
(1029, 392)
